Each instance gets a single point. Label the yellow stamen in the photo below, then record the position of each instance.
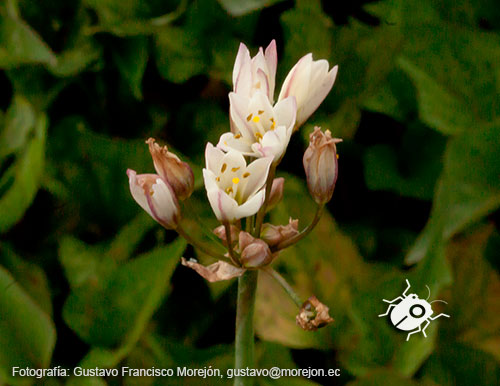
(235, 169)
(245, 175)
(249, 117)
(257, 85)
(217, 179)
(256, 119)
(236, 180)
(229, 190)
(261, 112)
(223, 168)
(258, 135)
(237, 136)
(337, 156)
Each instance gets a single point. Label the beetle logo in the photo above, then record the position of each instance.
(411, 313)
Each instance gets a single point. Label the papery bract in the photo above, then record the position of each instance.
(254, 252)
(257, 73)
(234, 189)
(156, 197)
(259, 129)
(176, 173)
(309, 81)
(275, 234)
(320, 165)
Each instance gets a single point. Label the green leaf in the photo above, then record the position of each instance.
(131, 56)
(27, 171)
(27, 334)
(242, 7)
(18, 123)
(123, 307)
(179, 55)
(19, 44)
(466, 191)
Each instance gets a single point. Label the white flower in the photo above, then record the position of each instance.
(234, 189)
(156, 197)
(309, 82)
(257, 73)
(259, 129)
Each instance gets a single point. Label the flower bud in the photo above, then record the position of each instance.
(177, 173)
(275, 234)
(254, 252)
(276, 193)
(156, 197)
(220, 232)
(321, 166)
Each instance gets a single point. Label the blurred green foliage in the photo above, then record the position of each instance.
(87, 279)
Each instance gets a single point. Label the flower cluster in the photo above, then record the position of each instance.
(239, 171)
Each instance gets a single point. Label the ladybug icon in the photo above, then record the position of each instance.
(411, 313)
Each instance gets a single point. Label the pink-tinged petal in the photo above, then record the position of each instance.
(163, 204)
(285, 112)
(242, 69)
(215, 272)
(224, 207)
(300, 70)
(262, 80)
(238, 108)
(271, 56)
(252, 206)
(257, 173)
(209, 180)
(137, 190)
(213, 157)
(227, 142)
(275, 142)
(317, 94)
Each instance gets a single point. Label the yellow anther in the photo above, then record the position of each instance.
(249, 116)
(260, 112)
(257, 85)
(237, 136)
(229, 190)
(337, 156)
(223, 168)
(273, 125)
(246, 174)
(256, 119)
(217, 179)
(236, 180)
(258, 135)
(235, 169)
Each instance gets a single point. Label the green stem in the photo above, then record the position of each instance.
(229, 242)
(304, 233)
(181, 231)
(262, 212)
(281, 280)
(244, 346)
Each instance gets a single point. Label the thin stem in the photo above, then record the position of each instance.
(262, 212)
(281, 280)
(229, 243)
(181, 231)
(244, 346)
(304, 233)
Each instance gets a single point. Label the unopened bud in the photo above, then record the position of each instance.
(156, 197)
(276, 193)
(275, 234)
(220, 232)
(321, 166)
(254, 252)
(177, 173)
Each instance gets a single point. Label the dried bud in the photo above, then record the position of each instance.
(156, 197)
(217, 271)
(276, 193)
(275, 234)
(220, 232)
(320, 164)
(177, 173)
(255, 253)
(313, 315)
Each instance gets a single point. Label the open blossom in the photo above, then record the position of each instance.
(156, 197)
(259, 129)
(257, 73)
(176, 173)
(234, 189)
(321, 166)
(309, 81)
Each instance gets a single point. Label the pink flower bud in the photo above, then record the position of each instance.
(321, 166)
(178, 174)
(276, 193)
(220, 232)
(156, 197)
(275, 234)
(255, 253)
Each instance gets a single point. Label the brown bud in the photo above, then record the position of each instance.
(220, 232)
(177, 173)
(313, 315)
(321, 166)
(275, 234)
(255, 253)
(276, 193)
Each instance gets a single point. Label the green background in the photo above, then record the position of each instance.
(87, 279)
